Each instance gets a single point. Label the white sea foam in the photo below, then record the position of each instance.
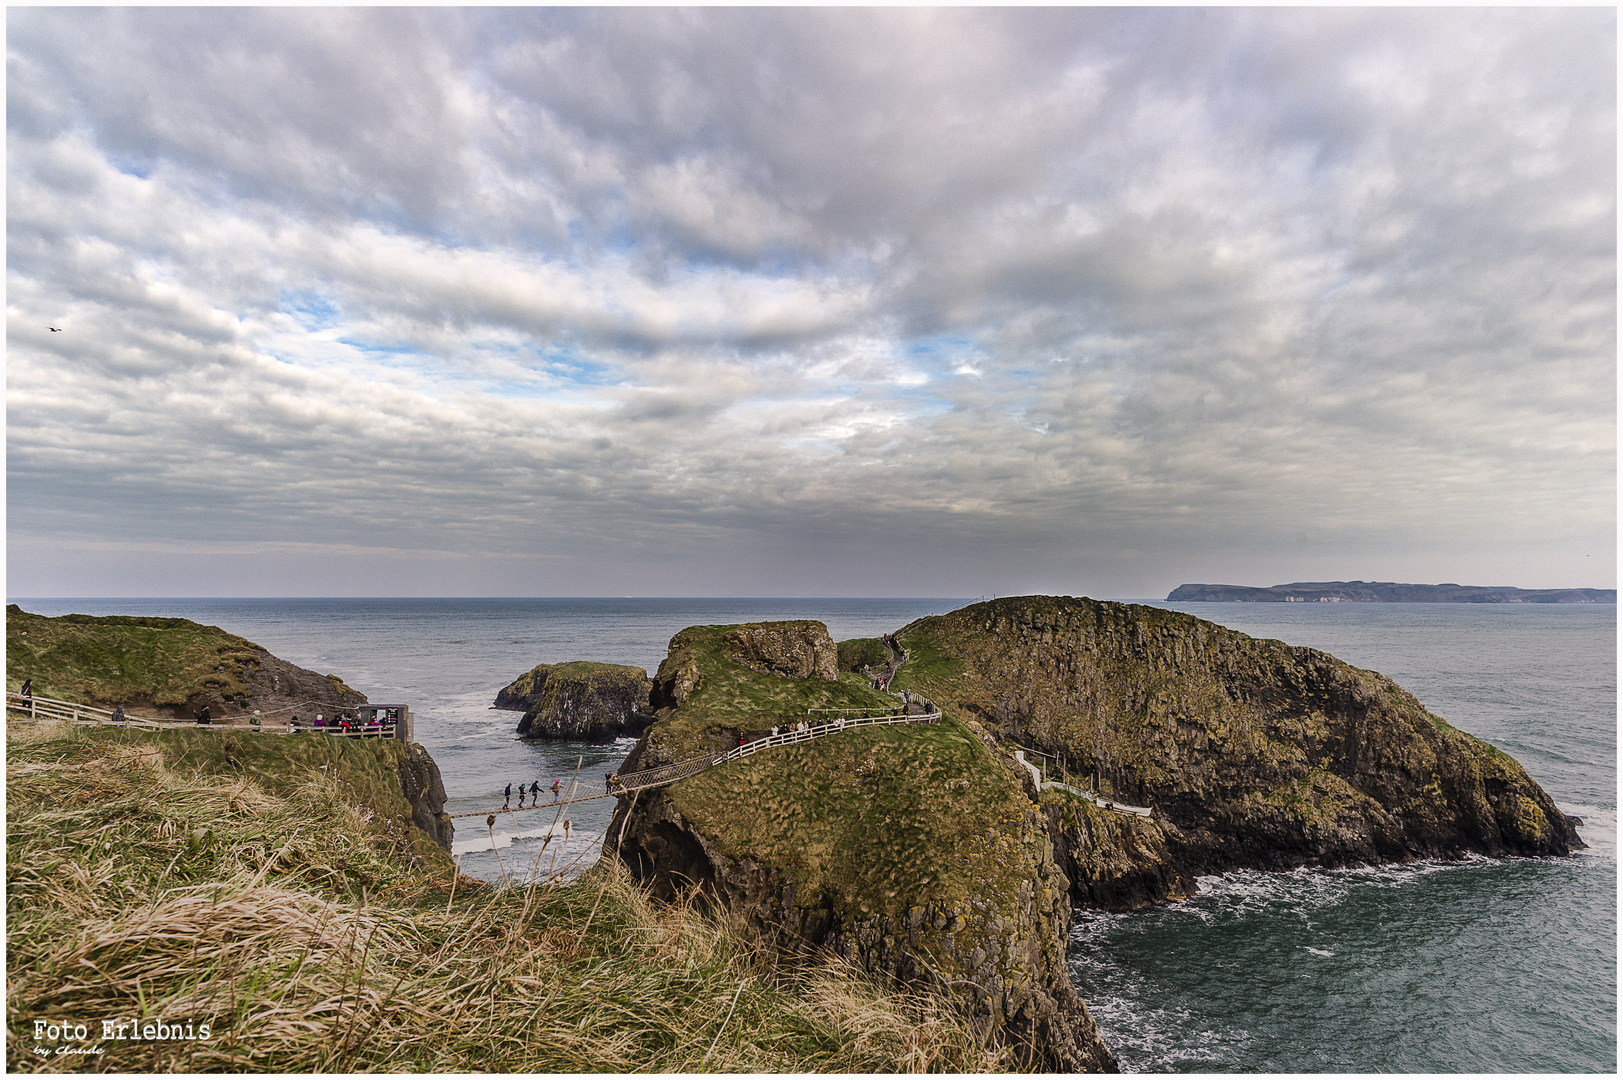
(1241, 891)
(500, 840)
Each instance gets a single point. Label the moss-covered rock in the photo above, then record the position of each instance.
(1254, 753)
(524, 691)
(162, 667)
(801, 649)
(860, 654)
(709, 688)
(1113, 860)
(581, 701)
(911, 849)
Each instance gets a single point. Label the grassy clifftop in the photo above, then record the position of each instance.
(120, 658)
(872, 820)
(912, 850)
(707, 694)
(149, 877)
(1257, 753)
(168, 665)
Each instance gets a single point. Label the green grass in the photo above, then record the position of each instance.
(858, 653)
(119, 659)
(731, 697)
(549, 676)
(579, 669)
(814, 811)
(146, 877)
(928, 670)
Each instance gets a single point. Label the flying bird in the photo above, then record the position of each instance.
(54, 329)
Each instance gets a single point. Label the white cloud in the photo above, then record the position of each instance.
(746, 295)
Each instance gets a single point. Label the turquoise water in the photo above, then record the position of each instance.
(1477, 966)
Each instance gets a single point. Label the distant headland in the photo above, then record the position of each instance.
(1389, 592)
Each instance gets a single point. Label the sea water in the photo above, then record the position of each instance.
(447, 658)
(1480, 965)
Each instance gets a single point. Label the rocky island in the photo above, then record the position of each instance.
(1388, 592)
(932, 855)
(581, 700)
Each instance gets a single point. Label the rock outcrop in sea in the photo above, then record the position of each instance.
(912, 850)
(581, 701)
(1253, 753)
(930, 856)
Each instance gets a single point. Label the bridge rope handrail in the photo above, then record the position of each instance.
(661, 775)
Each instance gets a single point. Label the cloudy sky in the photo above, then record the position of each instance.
(807, 302)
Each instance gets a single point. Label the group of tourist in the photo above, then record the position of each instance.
(342, 724)
(534, 793)
(805, 728)
(339, 725)
(811, 728)
(350, 725)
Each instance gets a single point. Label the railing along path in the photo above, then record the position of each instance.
(1100, 801)
(625, 784)
(41, 708)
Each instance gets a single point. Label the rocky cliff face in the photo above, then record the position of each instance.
(789, 650)
(914, 851)
(580, 701)
(524, 691)
(424, 790)
(1254, 753)
(281, 689)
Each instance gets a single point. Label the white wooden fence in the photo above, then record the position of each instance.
(39, 708)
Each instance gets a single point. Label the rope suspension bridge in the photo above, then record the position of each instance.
(395, 721)
(661, 775)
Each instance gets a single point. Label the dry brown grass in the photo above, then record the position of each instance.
(142, 887)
